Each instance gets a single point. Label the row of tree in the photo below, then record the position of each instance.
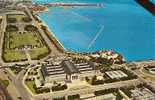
(59, 87)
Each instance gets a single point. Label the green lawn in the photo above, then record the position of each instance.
(30, 86)
(15, 40)
(5, 83)
(12, 55)
(18, 17)
(28, 38)
(38, 52)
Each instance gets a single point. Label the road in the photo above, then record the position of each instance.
(46, 39)
(2, 30)
(54, 50)
(141, 75)
(17, 81)
(91, 89)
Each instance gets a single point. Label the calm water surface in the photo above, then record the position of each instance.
(120, 25)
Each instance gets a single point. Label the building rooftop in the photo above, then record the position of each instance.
(48, 70)
(116, 74)
(69, 67)
(66, 67)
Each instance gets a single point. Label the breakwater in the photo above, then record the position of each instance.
(73, 4)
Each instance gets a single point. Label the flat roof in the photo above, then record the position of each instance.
(116, 74)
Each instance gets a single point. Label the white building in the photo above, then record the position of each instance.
(116, 74)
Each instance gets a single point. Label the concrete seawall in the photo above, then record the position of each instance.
(53, 38)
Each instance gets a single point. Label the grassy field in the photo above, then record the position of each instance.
(12, 55)
(19, 42)
(18, 17)
(15, 43)
(35, 53)
(28, 38)
(30, 85)
(5, 83)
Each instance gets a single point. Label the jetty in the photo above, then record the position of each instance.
(73, 4)
(148, 5)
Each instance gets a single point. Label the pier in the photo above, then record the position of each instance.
(148, 5)
(73, 5)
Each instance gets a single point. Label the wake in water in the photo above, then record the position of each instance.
(96, 36)
(72, 12)
(80, 16)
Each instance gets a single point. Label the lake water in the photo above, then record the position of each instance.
(120, 25)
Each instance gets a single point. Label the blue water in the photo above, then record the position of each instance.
(153, 1)
(127, 28)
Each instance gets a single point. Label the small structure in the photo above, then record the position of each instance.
(109, 96)
(142, 94)
(152, 70)
(116, 74)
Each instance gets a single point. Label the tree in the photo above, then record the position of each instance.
(31, 28)
(87, 79)
(27, 19)
(11, 28)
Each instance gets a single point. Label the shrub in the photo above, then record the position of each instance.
(31, 28)
(11, 28)
(59, 87)
(73, 97)
(27, 19)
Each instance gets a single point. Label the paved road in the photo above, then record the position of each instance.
(88, 90)
(46, 39)
(17, 81)
(2, 30)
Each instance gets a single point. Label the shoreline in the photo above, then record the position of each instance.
(59, 45)
(50, 32)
